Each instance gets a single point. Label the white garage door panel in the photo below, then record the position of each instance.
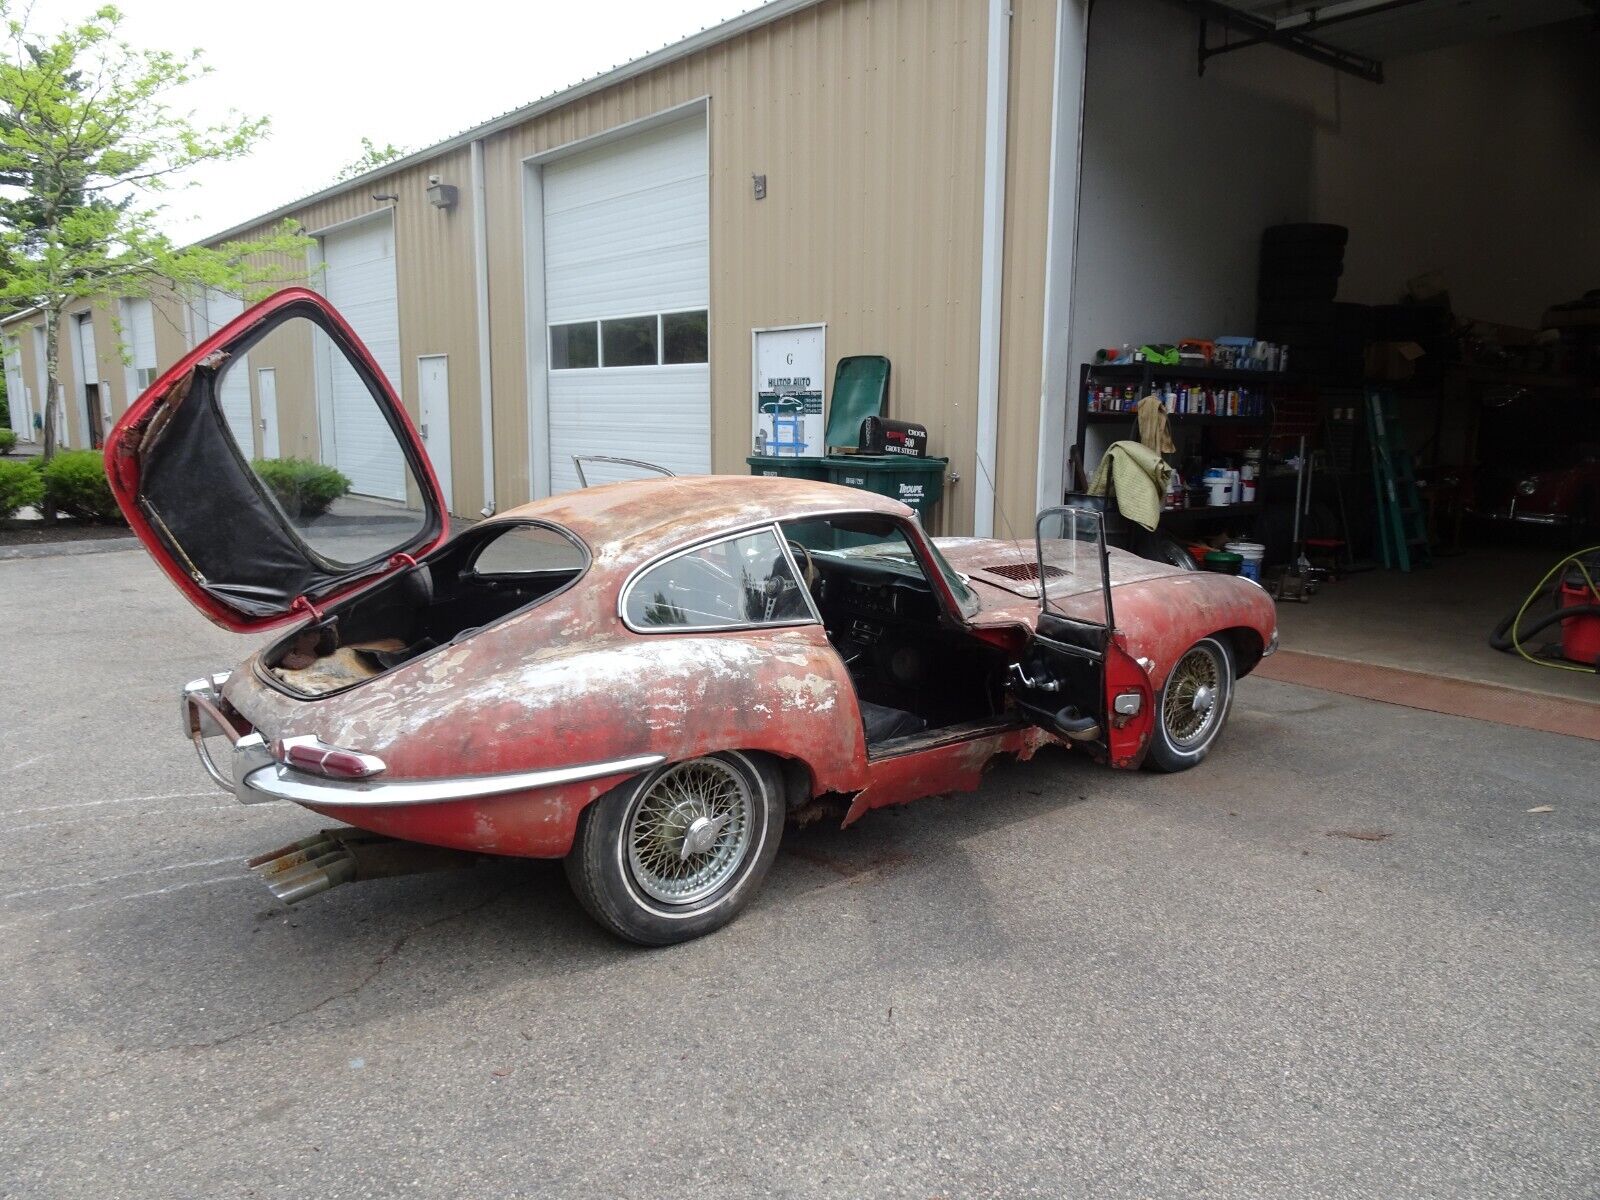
(359, 279)
(234, 393)
(626, 233)
(658, 414)
(616, 168)
(647, 252)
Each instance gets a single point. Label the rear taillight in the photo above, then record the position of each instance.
(315, 757)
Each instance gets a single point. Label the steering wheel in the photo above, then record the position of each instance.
(809, 571)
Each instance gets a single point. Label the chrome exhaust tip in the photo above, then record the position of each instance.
(332, 857)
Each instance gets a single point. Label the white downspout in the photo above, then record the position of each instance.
(991, 295)
(480, 280)
(1060, 256)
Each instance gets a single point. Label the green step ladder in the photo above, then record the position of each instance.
(1402, 532)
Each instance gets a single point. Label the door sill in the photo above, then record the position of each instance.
(927, 740)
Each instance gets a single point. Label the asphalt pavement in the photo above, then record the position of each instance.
(1339, 959)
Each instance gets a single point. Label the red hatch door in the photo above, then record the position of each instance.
(273, 469)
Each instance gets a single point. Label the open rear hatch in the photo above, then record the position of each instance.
(273, 470)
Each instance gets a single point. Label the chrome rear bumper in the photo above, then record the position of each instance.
(258, 778)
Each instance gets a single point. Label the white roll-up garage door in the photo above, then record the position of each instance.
(359, 280)
(216, 310)
(627, 286)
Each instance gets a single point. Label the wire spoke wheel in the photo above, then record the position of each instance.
(690, 830)
(1194, 699)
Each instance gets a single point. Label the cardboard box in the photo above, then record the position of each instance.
(1391, 362)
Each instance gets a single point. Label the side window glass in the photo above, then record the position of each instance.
(743, 580)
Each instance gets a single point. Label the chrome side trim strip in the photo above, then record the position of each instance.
(277, 782)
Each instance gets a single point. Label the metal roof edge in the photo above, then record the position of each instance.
(17, 316)
(766, 14)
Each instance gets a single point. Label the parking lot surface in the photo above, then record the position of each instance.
(1339, 959)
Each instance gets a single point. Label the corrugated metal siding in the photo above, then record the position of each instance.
(1033, 37)
(866, 116)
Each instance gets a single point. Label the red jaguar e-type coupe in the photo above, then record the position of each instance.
(646, 679)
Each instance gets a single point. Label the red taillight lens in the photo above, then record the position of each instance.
(315, 757)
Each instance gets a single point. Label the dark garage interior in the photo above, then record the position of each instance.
(1384, 212)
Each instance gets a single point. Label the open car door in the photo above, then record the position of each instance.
(347, 497)
(1076, 678)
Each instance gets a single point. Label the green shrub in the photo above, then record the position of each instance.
(304, 488)
(8, 441)
(20, 487)
(75, 483)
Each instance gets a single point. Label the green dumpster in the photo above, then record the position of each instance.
(918, 482)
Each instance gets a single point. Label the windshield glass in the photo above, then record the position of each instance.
(965, 596)
(877, 540)
(1072, 564)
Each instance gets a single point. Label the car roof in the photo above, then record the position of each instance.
(641, 518)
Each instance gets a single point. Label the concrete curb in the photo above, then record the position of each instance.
(55, 549)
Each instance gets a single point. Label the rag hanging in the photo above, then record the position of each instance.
(1153, 428)
(1137, 476)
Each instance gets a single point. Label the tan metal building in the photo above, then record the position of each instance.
(913, 155)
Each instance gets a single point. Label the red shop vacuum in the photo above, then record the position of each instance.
(1572, 588)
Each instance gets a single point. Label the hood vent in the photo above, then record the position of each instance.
(1023, 572)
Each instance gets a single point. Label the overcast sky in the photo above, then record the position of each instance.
(331, 72)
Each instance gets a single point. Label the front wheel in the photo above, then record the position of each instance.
(1192, 707)
(679, 851)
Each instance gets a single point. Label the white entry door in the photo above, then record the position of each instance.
(433, 402)
(359, 280)
(267, 397)
(16, 390)
(626, 236)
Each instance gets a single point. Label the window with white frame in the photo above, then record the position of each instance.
(140, 334)
(646, 340)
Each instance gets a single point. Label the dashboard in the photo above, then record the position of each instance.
(873, 592)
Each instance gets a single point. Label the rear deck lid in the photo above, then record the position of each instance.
(273, 469)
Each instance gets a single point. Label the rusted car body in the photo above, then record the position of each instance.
(646, 679)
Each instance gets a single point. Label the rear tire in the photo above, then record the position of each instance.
(679, 851)
(1192, 706)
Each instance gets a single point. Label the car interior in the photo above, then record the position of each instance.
(913, 673)
(477, 579)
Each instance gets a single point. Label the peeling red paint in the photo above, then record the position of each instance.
(565, 683)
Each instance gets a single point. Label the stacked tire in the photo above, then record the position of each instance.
(1299, 277)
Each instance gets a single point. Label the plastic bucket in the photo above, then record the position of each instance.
(1250, 555)
(1224, 562)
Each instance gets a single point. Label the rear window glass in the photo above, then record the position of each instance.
(743, 580)
(529, 550)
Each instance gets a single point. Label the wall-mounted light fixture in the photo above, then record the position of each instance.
(441, 195)
(381, 196)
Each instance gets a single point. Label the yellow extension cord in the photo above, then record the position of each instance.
(1539, 591)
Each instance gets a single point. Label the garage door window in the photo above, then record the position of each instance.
(630, 342)
(683, 337)
(574, 346)
(649, 340)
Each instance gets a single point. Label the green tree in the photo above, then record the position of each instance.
(89, 141)
(370, 159)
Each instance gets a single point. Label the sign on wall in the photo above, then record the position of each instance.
(789, 367)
